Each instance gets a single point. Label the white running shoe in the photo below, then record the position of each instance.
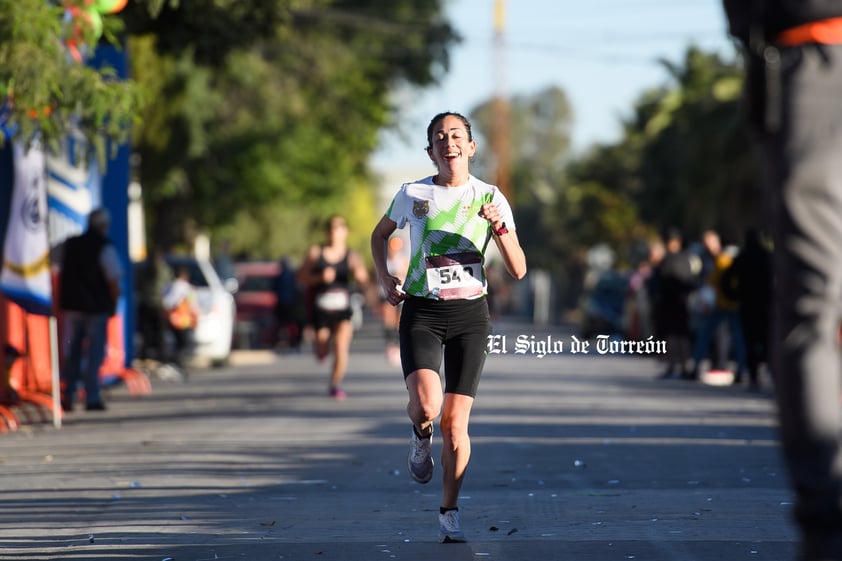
(450, 531)
(420, 460)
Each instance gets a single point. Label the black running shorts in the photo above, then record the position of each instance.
(457, 330)
(330, 319)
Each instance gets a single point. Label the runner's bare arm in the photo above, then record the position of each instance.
(379, 241)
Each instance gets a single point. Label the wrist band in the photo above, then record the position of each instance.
(501, 230)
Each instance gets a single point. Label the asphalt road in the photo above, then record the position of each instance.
(575, 457)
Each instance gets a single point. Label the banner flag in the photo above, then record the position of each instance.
(25, 276)
(73, 188)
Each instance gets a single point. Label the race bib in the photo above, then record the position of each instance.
(333, 300)
(454, 276)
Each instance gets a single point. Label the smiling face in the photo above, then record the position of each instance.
(451, 146)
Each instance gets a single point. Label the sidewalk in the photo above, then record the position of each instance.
(583, 457)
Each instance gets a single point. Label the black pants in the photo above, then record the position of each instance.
(182, 339)
(152, 327)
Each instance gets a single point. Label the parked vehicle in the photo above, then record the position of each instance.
(256, 300)
(217, 309)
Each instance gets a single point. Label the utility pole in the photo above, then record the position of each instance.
(500, 142)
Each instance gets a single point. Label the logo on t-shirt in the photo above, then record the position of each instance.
(420, 208)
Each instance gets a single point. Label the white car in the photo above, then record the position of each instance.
(214, 332)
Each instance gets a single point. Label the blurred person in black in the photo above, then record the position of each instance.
(288, 308)
(748, 281)
(153, 277)
(674, 278)
(641, 323)
(89, 287)
(794, 88)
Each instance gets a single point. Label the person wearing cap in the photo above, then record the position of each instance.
(794, 88)
(89, 288)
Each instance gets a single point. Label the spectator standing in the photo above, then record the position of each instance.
(153, 278)
(90, 278)
(717, 310)
(288, 306)
(794, 54)
(179, 300)
(749, 282)
(640, 325)
(673, 280)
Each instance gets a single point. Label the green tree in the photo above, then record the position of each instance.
(263, 109)
(269, 109)
(685, 158)
(46, 92)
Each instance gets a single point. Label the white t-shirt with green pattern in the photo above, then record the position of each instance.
(447, 236)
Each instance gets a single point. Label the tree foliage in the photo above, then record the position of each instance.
(47, 94)
(685, 158)
(264, 109)
(271, 104)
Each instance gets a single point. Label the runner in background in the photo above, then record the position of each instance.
(329, 270)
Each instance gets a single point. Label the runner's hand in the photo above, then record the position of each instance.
(392, 288)
(490, 212)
